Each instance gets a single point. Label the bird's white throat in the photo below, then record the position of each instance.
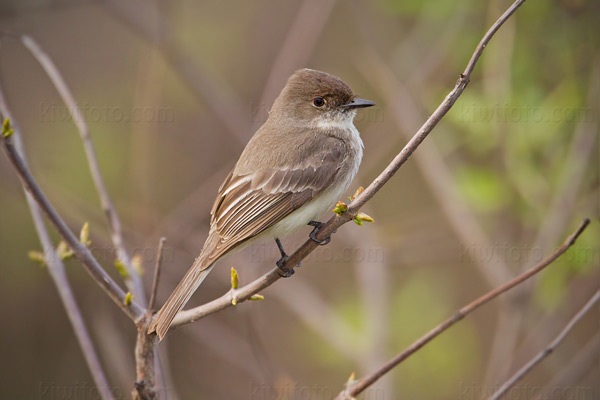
(336, 119)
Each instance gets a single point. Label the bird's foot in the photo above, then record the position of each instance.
(283, 271)
(313, 234)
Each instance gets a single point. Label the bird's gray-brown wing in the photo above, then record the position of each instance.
(249, 204)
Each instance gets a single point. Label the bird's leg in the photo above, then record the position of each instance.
(313, 234)
(284, 272)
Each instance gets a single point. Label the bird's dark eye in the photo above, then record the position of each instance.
(318, 101)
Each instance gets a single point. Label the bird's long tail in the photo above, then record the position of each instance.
(182, 293)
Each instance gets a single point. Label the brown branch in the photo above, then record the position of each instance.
(133, 280)
(548, 350)
(159, 256)
(56, 269)
(81, 252)
(364, 383)
(145, 347)
(580, 365)
(336, 221)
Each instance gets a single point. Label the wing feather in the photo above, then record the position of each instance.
(249, 204)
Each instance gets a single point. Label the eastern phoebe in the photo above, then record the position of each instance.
(294, 169)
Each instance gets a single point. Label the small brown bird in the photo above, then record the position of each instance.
(294, 169)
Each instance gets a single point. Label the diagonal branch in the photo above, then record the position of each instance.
(548, 350)
(336, 221)
(364, 383)
(83, 254)
(133, 281)
(56, 269)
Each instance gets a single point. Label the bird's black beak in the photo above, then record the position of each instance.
(357, 103)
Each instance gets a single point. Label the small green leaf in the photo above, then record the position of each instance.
(234, 301)
(362, 217)
(37, 256)
(355, 195)
(340, 208)
(257, 297)
(128, 298)
(6, 129)
(63, 250)
(122, 269)
(235, 279)
(84, 235)
(351, 380)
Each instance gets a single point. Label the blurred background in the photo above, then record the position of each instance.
(172, 91)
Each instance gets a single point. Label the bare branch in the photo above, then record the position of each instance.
(81, 252)
(145, 347)
(133, 281)
(580, 365)
(548, 350)
(159, 257)
(56, 269)
(364, 383)
(338, 220)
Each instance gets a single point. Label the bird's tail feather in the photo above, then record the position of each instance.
(180, 296)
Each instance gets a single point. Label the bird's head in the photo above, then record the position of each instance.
(317, 98)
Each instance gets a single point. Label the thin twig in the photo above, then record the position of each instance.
(338, 220)
(159, 258)
(81, 252)
(56, 269)
(364, 383)
(580, 365)
(548, 350)
(133, 280)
